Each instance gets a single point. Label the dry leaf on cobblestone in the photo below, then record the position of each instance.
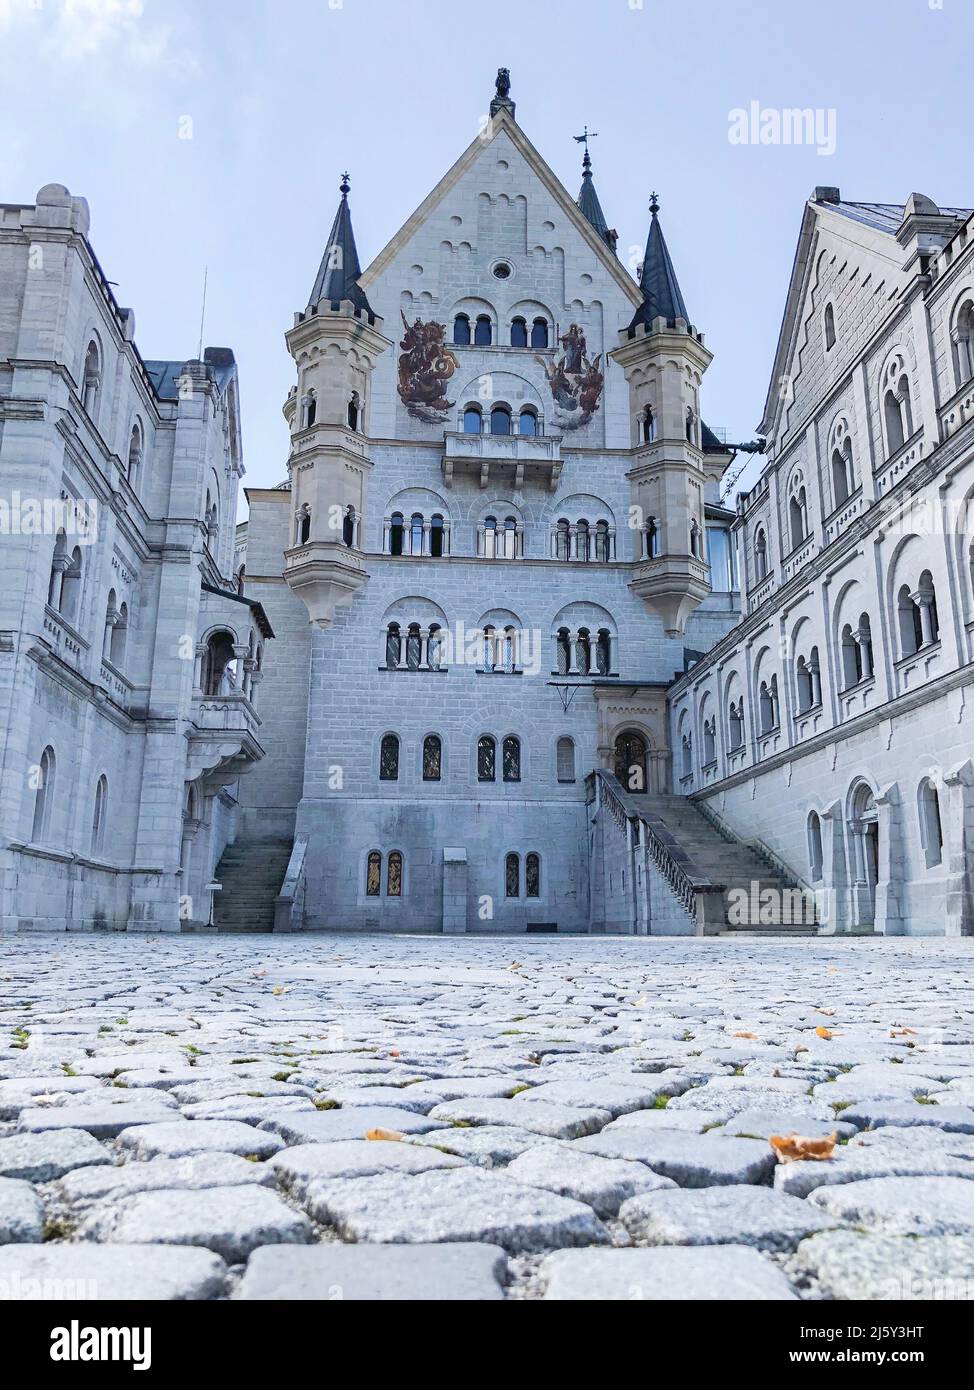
(793, 1148)
(901, 1032)
(279, 989)
(825, 1033)
(388, 1134)
(829, 1013)
(752, 1036)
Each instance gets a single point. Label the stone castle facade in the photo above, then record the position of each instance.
(529, 672)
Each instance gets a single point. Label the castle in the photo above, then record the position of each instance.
(529, 672)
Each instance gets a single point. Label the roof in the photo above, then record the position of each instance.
(661, 290)
(591, 208)
(886, 217)
(260, 617)
(165, 376)
(338, 274)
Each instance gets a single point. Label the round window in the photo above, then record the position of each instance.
(501, 270)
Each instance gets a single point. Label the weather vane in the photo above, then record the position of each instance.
(585, 137)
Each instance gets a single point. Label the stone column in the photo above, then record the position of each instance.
(573, 653)
(427, 527)
(864, 642)
(573, 542)
(925, 604)
(386, 535)
(424, 638)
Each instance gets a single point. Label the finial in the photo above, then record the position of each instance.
(344, 186)
(654, 203)
(502, 93)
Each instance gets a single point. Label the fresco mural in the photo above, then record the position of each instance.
(575, 380)
(425, 366)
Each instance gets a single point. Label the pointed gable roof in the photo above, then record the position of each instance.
(661, 289)
(503, 123)
(590, 207)
(338, 274)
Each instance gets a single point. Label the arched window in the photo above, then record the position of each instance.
(564, 646)
(482, 333)
(348, 526)
(963, 339)
(562, 540)
(490, 648)
(43, 779)
(843, 475)
(851, 658)
(829, 326)
(582, 652)
(304, 526)
(134, 467)
(91, 380)
(581, 540)
(461, 330)
(119, 638)
(414, 647)
(652, 539)
(519, 333)
(434, 647)
(814, 847)
(709, 742)
(798, 516)
(630, 761)
(768, 704)
(512, 876)
(897, 412)
(354, 411)
(647, 426)
(539, 333)
(99, 815)
(389, 758)
(603, 652)
(804, 678)
(509, 547)
(393, 646)
(500, 420)
(310, 409)
(373, 874)
(532, 876)
(473, 420)
(432, 758)
(512, 759)
(436, 536)
(695, 539)
(416, 533)
(486, 759)
(218, 672)
(761, 554)
(509, 649)
(908, 613)
(70, 608)
(397, 534)
(864, 637)
(565, 760)
(931, 826)
(602, 542)
(490, 537)
(686, 745)
(735, 717)
(394, 875)
(527, 422)
(927, 602)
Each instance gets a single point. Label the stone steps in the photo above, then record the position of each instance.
(251, 870)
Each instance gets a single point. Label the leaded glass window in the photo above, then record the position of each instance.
(393, 645)
(603, 652)
(512, 759)
(512, 876)
(519, 334)
(532, 876)
(414, 647)
(389, 758)
(432, 758)
(394, 879)
(373, 876)
(486, 759)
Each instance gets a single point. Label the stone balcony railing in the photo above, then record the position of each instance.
(223, 736)
(510, 459)
(843, 515)
(799, 558)
(889, 473)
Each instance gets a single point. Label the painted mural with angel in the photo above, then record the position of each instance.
(575, 380)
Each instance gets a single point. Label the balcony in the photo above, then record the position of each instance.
(223, 737)
(507, 459)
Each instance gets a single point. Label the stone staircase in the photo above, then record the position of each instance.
(251, 871)
(738, 873)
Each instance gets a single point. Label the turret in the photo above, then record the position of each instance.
(664, 359)
(335, 343)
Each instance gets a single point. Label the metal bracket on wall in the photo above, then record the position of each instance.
(566, 693)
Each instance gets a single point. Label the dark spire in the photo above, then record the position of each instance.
(502, 94)
(588, 199)
(658, 282)
(337, 277)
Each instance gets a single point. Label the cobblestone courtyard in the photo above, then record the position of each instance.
(574, 1118)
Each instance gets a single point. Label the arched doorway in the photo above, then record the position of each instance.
(864, 855)
(630, 761)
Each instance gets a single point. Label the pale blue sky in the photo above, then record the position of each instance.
(285, 94)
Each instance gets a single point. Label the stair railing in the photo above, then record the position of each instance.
(289, 903)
